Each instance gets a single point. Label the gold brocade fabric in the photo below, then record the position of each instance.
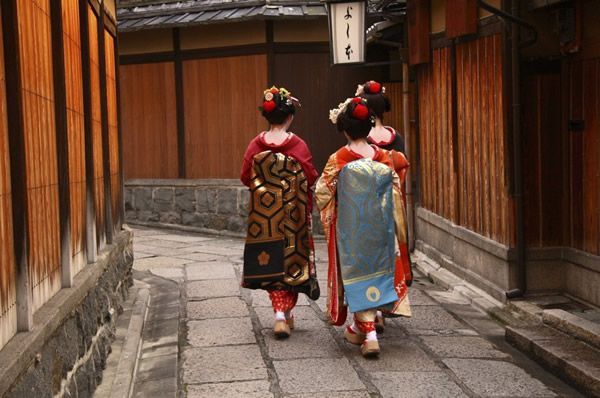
(325, 195)
(278, 253)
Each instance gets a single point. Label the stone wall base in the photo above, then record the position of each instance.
(492, 267)
(208, 205)
(65, 352)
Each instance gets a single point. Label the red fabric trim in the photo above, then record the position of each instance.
(359, 156)
(272, 145)
(294, 147)
(383, 143)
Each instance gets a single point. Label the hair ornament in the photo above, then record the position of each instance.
(360, 90)
(370, 87)
(334, 113)
(269, 96)
(360, 112)
(269, 106)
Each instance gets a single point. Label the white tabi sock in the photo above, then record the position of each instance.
(279, 316)
(355, 328)
(371, 336)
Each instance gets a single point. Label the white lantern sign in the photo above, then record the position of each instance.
(347, 32)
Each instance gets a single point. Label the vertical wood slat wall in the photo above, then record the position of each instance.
(36, 93)
(584, 98)
(542, 129)
(214, 128)
(76, 132)
(113, 127)
(8, 298)
(40, 146)
(96, 128)
(474, 196)
(437, 160)
(149, 120)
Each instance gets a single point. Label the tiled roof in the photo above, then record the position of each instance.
(138, 15)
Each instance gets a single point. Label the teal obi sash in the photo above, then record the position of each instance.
(366, 235)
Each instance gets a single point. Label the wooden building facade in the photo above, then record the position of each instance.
(60, 174)
(509, 143)
(198, 85)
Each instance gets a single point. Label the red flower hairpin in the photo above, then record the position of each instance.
(268, 106)
(360, 112)
(374, 87)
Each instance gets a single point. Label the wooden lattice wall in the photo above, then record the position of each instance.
(97, 128)
(8, 313)
(40, 146)
(75, 129)
(113, 126)
(51, 101)
(463, 161)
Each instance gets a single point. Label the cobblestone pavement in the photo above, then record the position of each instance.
(227, 347)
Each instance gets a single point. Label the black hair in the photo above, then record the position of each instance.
(284, 106)
(355, 127)
(377, 101)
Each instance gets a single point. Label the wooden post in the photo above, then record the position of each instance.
(461, 18)
(18, 169)
(417, 15)
(179, 104)
(62, 142)
(108, 223)
(120, 132)
(407, 145)
(90, 212)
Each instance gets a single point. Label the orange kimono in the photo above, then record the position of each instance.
(325, 195)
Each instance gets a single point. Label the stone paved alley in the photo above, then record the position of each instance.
(222, 344)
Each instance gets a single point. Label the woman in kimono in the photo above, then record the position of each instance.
(360, 200)
(279, 252)
(385, 137)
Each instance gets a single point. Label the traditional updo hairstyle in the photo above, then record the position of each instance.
(354, 117)
(277, 105)
(374, 93)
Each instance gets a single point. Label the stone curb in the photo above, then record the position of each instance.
(444, 278)
(573, 325)
(567, 358)
(123, 381)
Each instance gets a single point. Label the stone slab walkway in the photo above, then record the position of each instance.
(227, 348)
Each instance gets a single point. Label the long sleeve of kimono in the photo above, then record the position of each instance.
(400, 165)
(252, 150)
(325, 193)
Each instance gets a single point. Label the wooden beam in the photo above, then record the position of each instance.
(132, 59)
(418, 31)
(62, 142)
(108, 223)
(109, 24)
(18, 169)
(461, 18)
(179, 104)
(120, 132)
(270, 52)
(90, 219)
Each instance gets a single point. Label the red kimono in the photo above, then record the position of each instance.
(293, 146)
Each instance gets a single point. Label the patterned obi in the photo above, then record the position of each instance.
(278, 254)
(366, 235)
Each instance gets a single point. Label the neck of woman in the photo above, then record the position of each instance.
(362, 148)
(379, 133)
(277, 134)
